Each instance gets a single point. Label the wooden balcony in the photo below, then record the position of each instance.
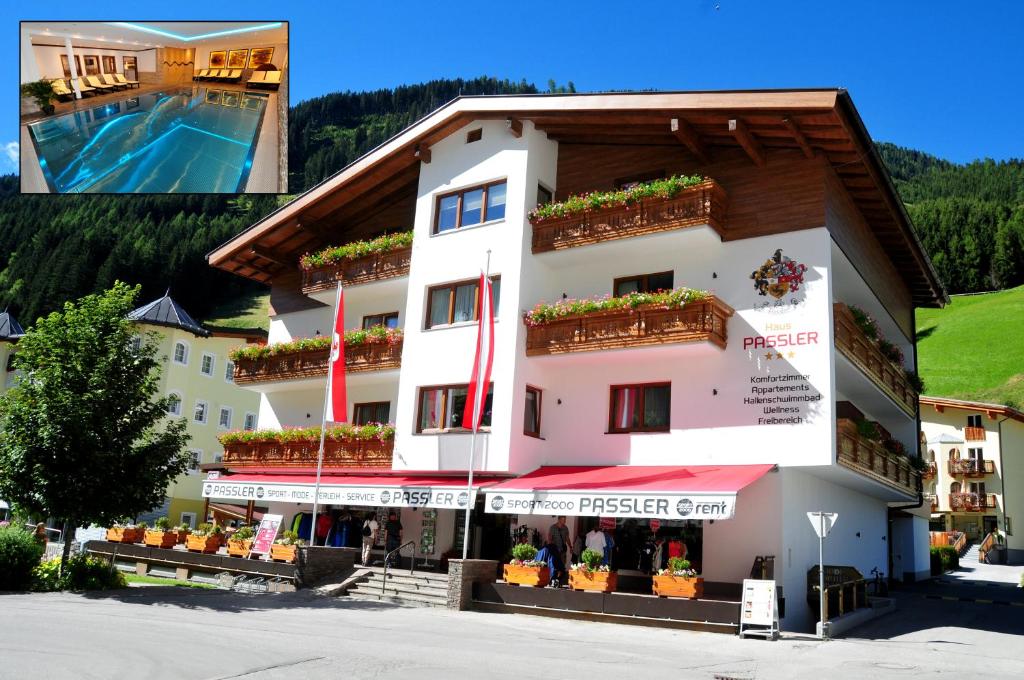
(871, 459)
(366, 269)
(930, 471)
(368, 356)
(349, 453)
(974, 434)
(701, 204)
(622, 328)
(865, 355)
(971, 467)
(971, 502)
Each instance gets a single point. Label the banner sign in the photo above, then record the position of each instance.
(639, 505)
(455, 497)
(265, 535)
(606, 523)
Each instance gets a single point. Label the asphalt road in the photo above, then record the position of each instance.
(166, 632)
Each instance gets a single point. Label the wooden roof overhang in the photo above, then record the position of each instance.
(815, 122)
(992, 411)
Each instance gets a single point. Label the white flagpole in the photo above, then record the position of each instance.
(323, 422)
(481, 390)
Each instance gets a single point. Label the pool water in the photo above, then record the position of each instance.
(193, 140)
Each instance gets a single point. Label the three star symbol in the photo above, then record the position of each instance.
(778, 355)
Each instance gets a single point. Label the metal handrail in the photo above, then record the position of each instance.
(387, 562)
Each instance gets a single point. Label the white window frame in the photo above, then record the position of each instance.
(189, 518)
(206, 412)
(213, 364)
(220, 414)
(174, 353)
(197, 460)
(229, 371)
(181, 401)
(246, 420)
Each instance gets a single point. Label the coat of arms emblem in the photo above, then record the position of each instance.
(778, 276)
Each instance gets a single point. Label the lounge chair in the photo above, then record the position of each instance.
(60, 89)
(85, 88)
(121, 79)
(272, 79)
(234, 76)
(109, 80)
(222, 74)
(201, 74)
(256, 78)
(95, 82)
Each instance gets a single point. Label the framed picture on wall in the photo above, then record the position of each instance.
(67, 67)
(236, 58)
(217, 59)
(258, 56)
(109, 64)
(92, 64)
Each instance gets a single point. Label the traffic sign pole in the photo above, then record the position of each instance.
(821, 571)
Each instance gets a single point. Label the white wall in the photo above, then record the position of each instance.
(49, 63)
(731, 545)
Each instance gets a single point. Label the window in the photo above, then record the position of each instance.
(206, 366)
(389, 320)
(218, 458)
(531, 414)
(189, 518)
(181, 353)
(201, 412)
(470, 206)
(544, 195)
(10, 362)
(229, 371)
(974, 421)
(474, 135)
(250, 422)
(456, 302)
(195, 458)
(640, 408)
(643, 283)
(974, 454)
(109, 64)
(372, 412)
(137, 344)
(225, 418)
(441, 407)
(978, 488)
(954, 487)
(174, 405)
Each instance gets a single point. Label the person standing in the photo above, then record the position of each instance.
(595, 540)
(393, 536)
(558, 535)
(370, 532)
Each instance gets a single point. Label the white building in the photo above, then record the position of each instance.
(725, 422)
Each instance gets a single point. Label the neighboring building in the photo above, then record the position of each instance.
(975, 480)
(10, 332)
(720, 424)
(199, 374)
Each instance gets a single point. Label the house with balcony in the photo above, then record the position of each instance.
(704, 331)
(975, 454)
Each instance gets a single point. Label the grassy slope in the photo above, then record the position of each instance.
(974, 348)
(244, 312)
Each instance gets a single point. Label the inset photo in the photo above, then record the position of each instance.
(154, 107)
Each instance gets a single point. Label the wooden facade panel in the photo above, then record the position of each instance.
(286, 294)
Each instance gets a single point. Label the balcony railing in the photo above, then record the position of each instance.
(366, 269)
(872, 460)
(616, 329)
(930, 471)
(865, 354)
(971, 502)
(971, 467)
(974, 434)
(704, 203)
(376, 356)
(350, 453)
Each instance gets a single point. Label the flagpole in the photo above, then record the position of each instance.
(323, 425)
(476, 415)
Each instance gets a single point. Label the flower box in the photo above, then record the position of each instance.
(596, 581)
(203, 544)
(124, 535)
(521, 575)
(667, 585)
(183, 534)
(283, 553)
(161, 539)
(239, 547)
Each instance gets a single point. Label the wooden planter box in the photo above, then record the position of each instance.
(239, 547)
(124, 535)
(283, 553)
(515, 574)
(597, 581)
(203, 544)
(161, 539)
(678, 586)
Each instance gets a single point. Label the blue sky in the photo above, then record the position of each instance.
(942, 77)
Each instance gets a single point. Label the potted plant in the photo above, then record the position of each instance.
(286, 548)
(679, 580)
(161, 535)
(124, 533)
(241, 542)
(205, 539)
(591, 574)
(523, 570)
(183, 531)
(41, 92)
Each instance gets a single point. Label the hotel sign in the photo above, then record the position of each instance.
(611, 504)
(455, 498)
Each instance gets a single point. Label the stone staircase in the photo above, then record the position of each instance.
(971, 554)
(422, 589)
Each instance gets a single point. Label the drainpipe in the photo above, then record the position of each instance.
(1002, 473)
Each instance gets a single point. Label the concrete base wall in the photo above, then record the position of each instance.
(462, 574)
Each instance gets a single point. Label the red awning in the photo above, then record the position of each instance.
(659, 491)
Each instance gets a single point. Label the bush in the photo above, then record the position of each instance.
(19, 555)
(524, 552)
(592, 558)
(83, 572)
(944, 558)
(162, 524)
(243, 534)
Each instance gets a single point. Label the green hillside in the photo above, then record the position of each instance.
(972, 349)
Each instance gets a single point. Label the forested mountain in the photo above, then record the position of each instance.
(55, 248)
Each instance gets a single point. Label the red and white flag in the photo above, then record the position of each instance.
(476, 395)
(336, 408)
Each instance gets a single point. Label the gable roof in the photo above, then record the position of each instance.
(10, 329)
(819, 121)
(167, 312)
